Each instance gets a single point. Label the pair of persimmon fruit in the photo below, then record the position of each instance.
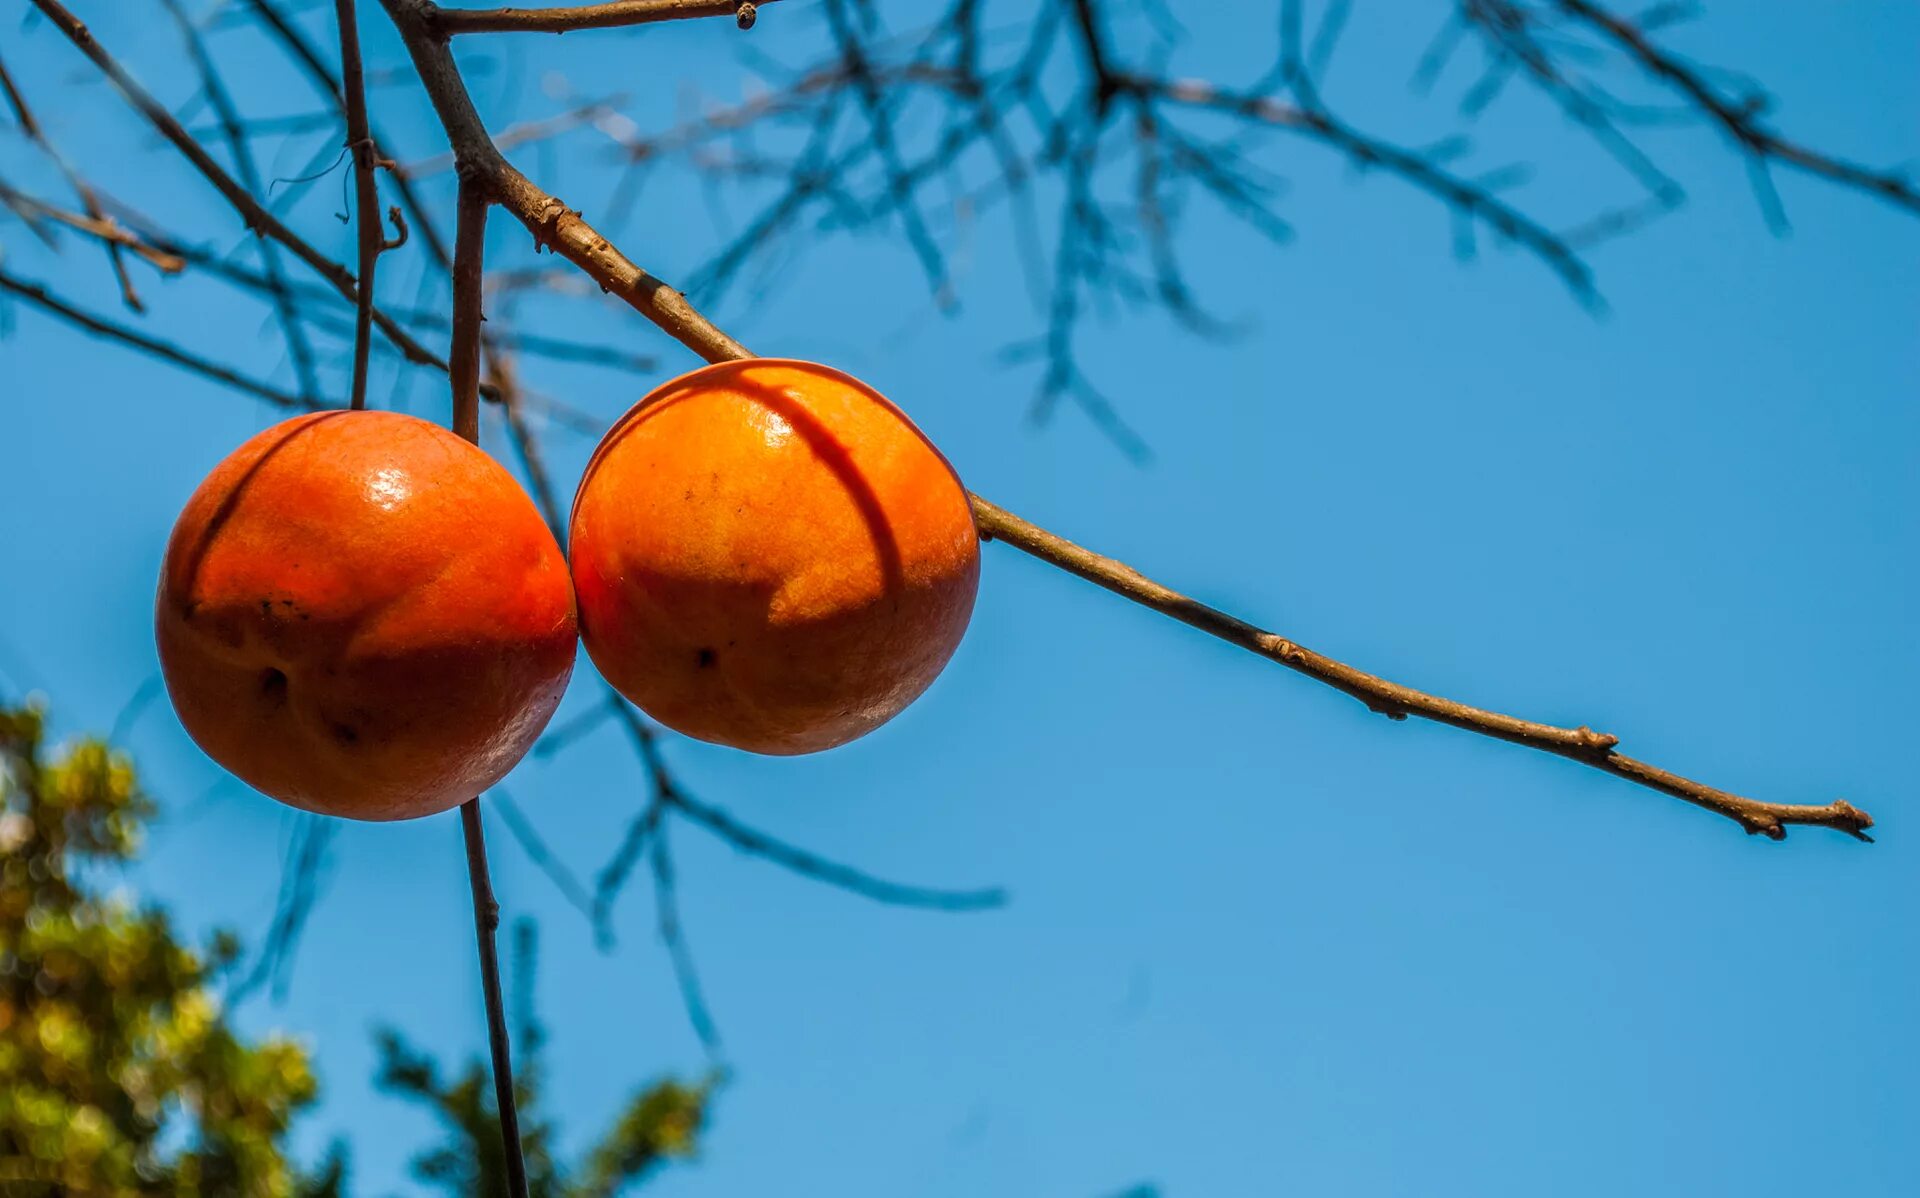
(362, 614)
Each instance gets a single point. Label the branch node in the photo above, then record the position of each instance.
(745, 14)
(1599, 742)
(399, 238)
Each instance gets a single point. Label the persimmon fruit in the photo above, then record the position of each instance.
(768, 554)
(361, 614)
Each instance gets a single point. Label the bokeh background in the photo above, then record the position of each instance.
(1260, 941)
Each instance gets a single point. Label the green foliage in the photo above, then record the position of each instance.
(119, 1073)
(661, 1123)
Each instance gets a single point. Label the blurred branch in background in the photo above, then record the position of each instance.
(659, 1124)
(1073, 121)
(120, 1072)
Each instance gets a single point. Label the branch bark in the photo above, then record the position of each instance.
(463, 359)
(366, 201)
(1740, 120)
(486, 921)
(257, 218)
(562, 230)
(40, 297)
(568, 18)
(463, 372)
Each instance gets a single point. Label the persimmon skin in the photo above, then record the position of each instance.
(768, 554)
(361, 614)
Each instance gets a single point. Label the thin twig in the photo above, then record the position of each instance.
(307, 56)
(1741, 121)
(105, 228)
(214, 87)
(563, 230)
(251, 211)
(486, 921)
(569, 18)
(1397, 702)
(366, 193)
(299, 888)
(612, 877)
(39, 296)
(463, 357)
(812, 865)
(463, 372)
(667, 910)
(535, 847)
(89, 200)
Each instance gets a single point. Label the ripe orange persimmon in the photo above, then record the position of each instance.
(363, 615)
(768, 554)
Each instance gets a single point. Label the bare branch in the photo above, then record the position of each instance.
(1741, 120)
(299, 349)
(256, 217)
(105, 228)
(537, 851)
(811, 865)
(563, 230)
(89, 201)
(370, 235)
(1322, 126)
(166, 351)
(486, 921)
(308, 57)
(463, 358)
(1397, 702)
(299, 888)
(667, 908)
(569, 18)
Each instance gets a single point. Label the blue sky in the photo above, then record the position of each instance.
(1260, 940)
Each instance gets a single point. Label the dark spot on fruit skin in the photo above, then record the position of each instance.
(706, 658)
(345, 733)
(273, 684)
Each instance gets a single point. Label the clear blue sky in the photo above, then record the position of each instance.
(1260, 941)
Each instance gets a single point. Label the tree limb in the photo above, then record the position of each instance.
(563, 231)
(251, 211)
(39, 296)
(366, 203)
(568, 18)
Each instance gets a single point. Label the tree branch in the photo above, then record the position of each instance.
(89, 201)
(562, 230)
(463, 372)
(756, 843)
(299, 349)
(39, 296)
(567, 19)
(366, 202)
(308, 58)
(1396, 701)
(1740, 119)
(251, 211)
(486, 921)
(463, 357)
(104, 228)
